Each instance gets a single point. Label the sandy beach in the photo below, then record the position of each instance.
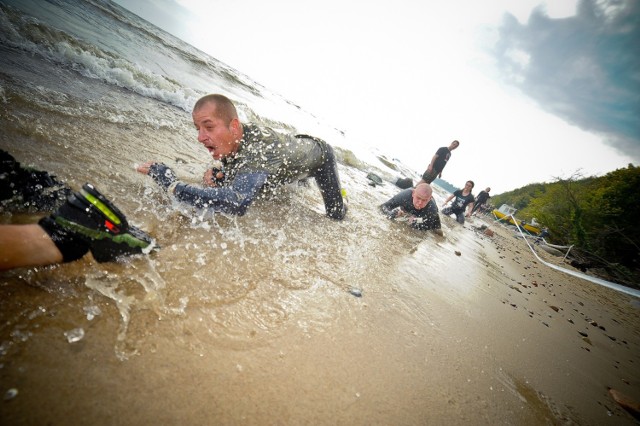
(496, 338)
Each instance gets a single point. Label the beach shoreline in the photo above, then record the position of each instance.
(522, 344)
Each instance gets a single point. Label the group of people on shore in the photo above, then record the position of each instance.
(419, 208)
(255, 160)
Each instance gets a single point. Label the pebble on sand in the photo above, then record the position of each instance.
(356, 292)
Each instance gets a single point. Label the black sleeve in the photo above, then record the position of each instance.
(389, 208)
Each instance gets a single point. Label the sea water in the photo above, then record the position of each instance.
(87, 91)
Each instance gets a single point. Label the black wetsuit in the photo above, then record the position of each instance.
(27, 188)
(482, 198)
(427, 217)
(267, 159)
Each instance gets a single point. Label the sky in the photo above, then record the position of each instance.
(533, 90)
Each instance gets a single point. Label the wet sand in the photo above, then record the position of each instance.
(489, 336)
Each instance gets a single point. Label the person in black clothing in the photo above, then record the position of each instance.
(439, 160)
(416, 205)
(255, 160)
(461, 199)
(481, 198)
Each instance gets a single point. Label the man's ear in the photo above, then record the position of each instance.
(236, 128)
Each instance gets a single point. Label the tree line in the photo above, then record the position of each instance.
(597, 215)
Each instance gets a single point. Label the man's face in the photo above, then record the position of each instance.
(220, 139)
(420, 198)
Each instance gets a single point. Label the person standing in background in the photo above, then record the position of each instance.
(481, 198)
(439, 160)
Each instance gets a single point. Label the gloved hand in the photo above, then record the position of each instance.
(162, 174)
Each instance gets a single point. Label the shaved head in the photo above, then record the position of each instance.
(421, 195)
(424, 190)
(224, 110)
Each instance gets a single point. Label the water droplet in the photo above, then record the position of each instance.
(74, 335)
(10, 394)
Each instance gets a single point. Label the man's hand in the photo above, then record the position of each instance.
(208, 179)
(213, 177)
(161, 173)
(144, 167)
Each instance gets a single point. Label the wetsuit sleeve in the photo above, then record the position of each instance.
(389, 208)
(233, 199)
(162, 175)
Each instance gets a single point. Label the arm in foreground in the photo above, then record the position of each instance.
(233, 199)
(392, 208)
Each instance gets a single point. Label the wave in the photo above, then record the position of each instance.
(28, 34)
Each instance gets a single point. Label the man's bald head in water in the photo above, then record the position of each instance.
(421, 195)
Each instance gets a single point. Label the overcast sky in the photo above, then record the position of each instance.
(532, 90)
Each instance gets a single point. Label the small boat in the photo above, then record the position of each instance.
(507, 213)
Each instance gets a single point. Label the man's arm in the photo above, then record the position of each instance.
(433, 161)
(233, 199)
(390, 208)
(469, 209)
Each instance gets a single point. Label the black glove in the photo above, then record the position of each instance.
(162, 174)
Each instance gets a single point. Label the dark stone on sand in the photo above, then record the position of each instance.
(555, 308)
(374, 179)
(458, 253)
(404, 183)
(356, 292)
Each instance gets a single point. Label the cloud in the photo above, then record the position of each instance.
(584, 69)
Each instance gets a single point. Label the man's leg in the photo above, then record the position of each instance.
(428, 177)
(329, 183)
